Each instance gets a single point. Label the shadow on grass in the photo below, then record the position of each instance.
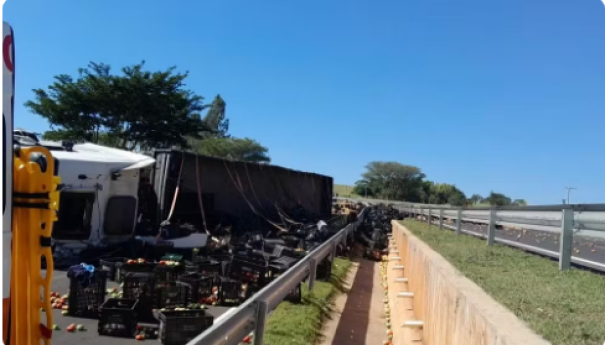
(339, 284)
(326, 310)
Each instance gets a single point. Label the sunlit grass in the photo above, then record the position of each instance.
(301, 324)
(566, 308)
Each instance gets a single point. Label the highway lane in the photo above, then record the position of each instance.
(587, 248)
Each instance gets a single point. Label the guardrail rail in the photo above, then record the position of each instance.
(562, 219)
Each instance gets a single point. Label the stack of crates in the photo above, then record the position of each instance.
(85, 300)
(205, 266)
(231, 292)
(254, 273)
(112, 266)
(201, 286)
(281, 265)
(134, 266)
(141, 287)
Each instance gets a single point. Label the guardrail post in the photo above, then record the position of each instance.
(491, 229)
(312, 273)
(332, 258)
(440, 219)
(262, 309)
(429, 217)
(459, 221)
(566, 239)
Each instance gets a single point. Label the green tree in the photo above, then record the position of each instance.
(457, 199)
(363, 188)
(393, 180)
(424, 192)
(137, 109)
(246, 150)
(520, 202)
(441, 193)
(476, 198)
(498, 199)
(216, 118)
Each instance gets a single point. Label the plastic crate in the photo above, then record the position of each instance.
(112, 266)
(126, 268)
(171, 295)
(118, 317)
(283, 263)
(224, 259)
(255, 273)
(221, 257)
(180, 327)
(141, 286)
(86, 301)
(167, 273)
(205, 267)
(260, 255)
(201, 286)
(279, 251)
(230, 292)
(278, 267)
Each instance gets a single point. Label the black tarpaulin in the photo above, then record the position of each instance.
(236, 190)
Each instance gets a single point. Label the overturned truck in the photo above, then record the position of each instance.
(207, 191)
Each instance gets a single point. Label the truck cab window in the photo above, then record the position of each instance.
(75, 216)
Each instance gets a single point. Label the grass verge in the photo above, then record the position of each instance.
(344, 191)
(300, 324)
(566, 308)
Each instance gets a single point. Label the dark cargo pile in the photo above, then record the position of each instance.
(372, 236)
(165, 294)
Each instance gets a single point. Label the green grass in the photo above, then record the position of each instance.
(301, 324)
(344, 191)
(566, 308)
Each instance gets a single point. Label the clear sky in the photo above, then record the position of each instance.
(505, 95)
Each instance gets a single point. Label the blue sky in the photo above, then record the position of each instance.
(505, 95)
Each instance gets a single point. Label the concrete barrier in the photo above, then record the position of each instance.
(453, 310)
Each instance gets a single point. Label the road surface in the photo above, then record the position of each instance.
(60, 284)
(587, 248)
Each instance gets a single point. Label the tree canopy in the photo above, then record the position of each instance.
(216, 118)
(135, 109)
(390, 180)
(396, 181)
(245, 149)
(138, 109)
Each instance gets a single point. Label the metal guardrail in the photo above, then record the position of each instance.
(252, 314)
(562, 219)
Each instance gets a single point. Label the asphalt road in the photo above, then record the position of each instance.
(587, 248)
(90, 336)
